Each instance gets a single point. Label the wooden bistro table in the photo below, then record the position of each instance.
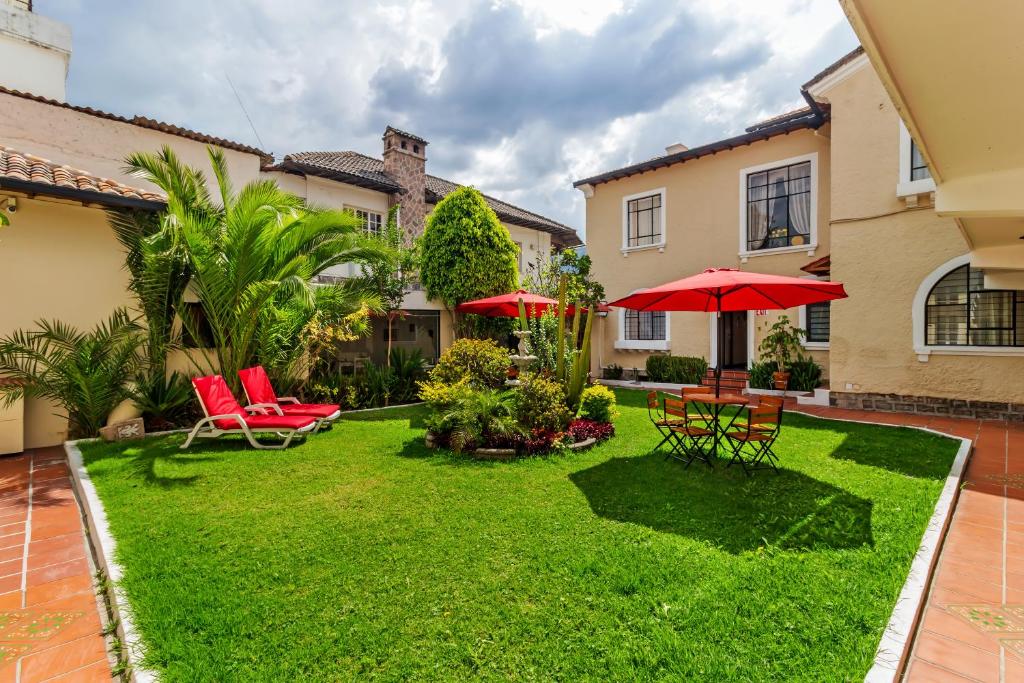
(716, 404)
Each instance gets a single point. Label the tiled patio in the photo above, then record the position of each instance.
(972, 627)
(50, 628)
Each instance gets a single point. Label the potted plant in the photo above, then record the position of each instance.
(780, 345)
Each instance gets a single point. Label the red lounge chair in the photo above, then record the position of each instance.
(225, 416)
(260, 393)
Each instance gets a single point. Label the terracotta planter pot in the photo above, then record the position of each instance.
(781, 380)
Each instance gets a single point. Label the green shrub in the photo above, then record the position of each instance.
(475, 418)
(439, 395)
(481, 361)
(541, 404)
(676, 369)
(761, 375)
(597, 403)
(613, 371)
(805, 374)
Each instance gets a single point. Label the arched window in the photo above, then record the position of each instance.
(959, 311)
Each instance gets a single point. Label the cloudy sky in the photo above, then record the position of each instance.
(517, 97)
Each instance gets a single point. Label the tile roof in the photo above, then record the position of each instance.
(819, 266)
(835, 66)
(25, 172)
(781, 125)
(404, 134)
(366, 171)
(143, 122)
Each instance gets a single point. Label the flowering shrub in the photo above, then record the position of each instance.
(597, 403)
(482, 361)
(583, 429)
(540, 404)
(540, 441)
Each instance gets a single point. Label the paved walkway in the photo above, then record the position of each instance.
(50, 628)
(972, 628)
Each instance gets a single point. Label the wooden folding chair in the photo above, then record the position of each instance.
(752, 445)
(660, 420)
(773, 401)
(690, 439)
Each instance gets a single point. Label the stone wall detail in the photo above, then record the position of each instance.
(929, 405)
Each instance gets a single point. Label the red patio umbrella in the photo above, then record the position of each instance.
(728, 289)
(507, 305)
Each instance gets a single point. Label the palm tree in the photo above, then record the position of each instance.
(86, 373)
(246, 252)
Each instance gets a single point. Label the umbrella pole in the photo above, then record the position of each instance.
(718, 365)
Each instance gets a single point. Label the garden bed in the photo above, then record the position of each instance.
(361, 553)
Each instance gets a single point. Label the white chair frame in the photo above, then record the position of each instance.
(208, 429)
(263, 407)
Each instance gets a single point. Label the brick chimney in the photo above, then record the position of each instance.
(405, 160)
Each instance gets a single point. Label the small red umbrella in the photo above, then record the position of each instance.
(507, 305)
(727, 289)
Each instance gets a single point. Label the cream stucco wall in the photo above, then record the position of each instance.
(882, 251)
(702, 229)
(99, 145)
(60, 262)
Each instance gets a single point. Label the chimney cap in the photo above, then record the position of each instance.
(391, 130)
(676, 148)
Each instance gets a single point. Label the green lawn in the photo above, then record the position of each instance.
(361, 554)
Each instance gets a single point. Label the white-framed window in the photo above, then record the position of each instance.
(643, 330)
(373, 221)
(815, 319)
(954, 314)
(643, 220)
(915, 176)
(779, 206)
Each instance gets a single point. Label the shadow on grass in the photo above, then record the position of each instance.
(143, 459)
(724, 507)
(910, 452)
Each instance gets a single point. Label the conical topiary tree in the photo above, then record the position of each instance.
(466, 253)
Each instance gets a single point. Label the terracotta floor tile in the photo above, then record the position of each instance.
(955, 571)
(10, 583)
(54, 590)
(943, 623)
(12, 540)
(57, 571)
(957, 656)
(51, 530)
(966, 593)
(65, 554)
(9, 567)
(62, 659)
(10, 600)
(923, 672)
(94, 673)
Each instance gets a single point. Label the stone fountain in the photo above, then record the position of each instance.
(522, 359)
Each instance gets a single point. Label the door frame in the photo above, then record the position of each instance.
(751, 347)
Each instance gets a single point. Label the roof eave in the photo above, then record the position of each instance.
(809, 123)
(290, 166)
(85, 196)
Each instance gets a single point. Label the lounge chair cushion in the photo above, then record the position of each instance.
(317, 410)
(277, 422)
(257, 385)
(217, 399)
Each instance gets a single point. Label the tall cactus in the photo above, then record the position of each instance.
(560, 354)
(581, 361)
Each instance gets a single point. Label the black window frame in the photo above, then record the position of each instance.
(632, 215)
(779, 241)
(657, 323)
(915, 168)
(812, 337)
(1016, 303)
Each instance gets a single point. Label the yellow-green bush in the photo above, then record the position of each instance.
(598, 403)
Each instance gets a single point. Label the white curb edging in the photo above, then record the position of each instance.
(105, 548)
(899, 631)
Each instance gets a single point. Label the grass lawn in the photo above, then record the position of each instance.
(361, 554)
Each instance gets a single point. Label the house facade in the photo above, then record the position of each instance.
(836, 190)
(62, 167)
